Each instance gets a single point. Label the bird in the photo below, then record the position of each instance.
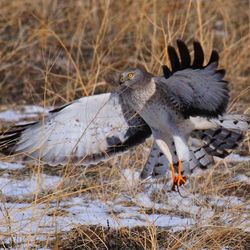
(187, 104)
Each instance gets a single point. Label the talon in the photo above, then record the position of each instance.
(178, 180)
(181, 180)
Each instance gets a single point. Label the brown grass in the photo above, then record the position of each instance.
(55, 51)
(152, 238)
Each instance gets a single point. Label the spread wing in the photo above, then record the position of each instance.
(194, 89)
(86, 131)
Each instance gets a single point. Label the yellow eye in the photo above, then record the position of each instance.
(130, 75)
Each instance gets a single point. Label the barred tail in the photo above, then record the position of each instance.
(220, 142)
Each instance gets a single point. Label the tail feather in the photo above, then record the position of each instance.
(228, 135)
(219, 142)
(200, 158)
(158, 165)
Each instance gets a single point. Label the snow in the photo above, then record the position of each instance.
(20, 188)
(96, 212)
(27, 219)
(29, 111)
(237, 158)
(39, 220)
(242, 178)
(11, 166)
(131, 177)
(29, 222)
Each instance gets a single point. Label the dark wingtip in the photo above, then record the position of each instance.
(214, 57)
(58, 109)
(174, 59)
(166, 71)
(198, 55)
(8, 142)
(221, 72)
(185, 61)
(184, 54)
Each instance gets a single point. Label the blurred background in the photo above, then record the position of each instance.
(53, 51)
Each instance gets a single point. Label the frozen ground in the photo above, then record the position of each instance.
(24, 221)
(38, 221)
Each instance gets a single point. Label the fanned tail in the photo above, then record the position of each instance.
(220, 141)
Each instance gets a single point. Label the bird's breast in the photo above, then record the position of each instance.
(139, 98)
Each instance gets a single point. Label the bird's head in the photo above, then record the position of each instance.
(135, 77)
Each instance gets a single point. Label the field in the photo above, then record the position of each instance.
(53, 52)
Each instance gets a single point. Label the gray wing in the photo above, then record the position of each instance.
(86, 131)
(194, 90)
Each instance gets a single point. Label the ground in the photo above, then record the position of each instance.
(55, 51)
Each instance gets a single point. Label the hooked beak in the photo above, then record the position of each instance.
(122, 80)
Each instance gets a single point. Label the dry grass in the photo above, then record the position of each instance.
(55, 51)
(152, 238)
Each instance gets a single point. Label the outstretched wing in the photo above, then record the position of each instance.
(194, 89)
(86, 131)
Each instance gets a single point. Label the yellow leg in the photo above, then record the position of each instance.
(179, 179)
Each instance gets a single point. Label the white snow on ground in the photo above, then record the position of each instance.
(11, 166)
(29, 222)
(236, 158)
(33, 221)
(20, 188)
(39, 221)
(29, 111)
(241, 178)
(12, 116)
(34, 109)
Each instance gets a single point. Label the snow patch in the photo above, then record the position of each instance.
(237, 158)
(11, 166)
(39, 221)
(29, 111)
(242, 178)
(131, 177)
(20, 188)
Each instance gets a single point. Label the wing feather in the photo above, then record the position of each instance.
(198, 55)
(86, 131)
(194, 89)
(184, 54)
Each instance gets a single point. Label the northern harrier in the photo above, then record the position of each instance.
(187, 102)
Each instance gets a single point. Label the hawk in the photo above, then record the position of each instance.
(185, 106)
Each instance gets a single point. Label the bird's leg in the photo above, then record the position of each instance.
(178, 180)
(172, 171)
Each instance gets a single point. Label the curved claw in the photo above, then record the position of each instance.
(178, 181)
